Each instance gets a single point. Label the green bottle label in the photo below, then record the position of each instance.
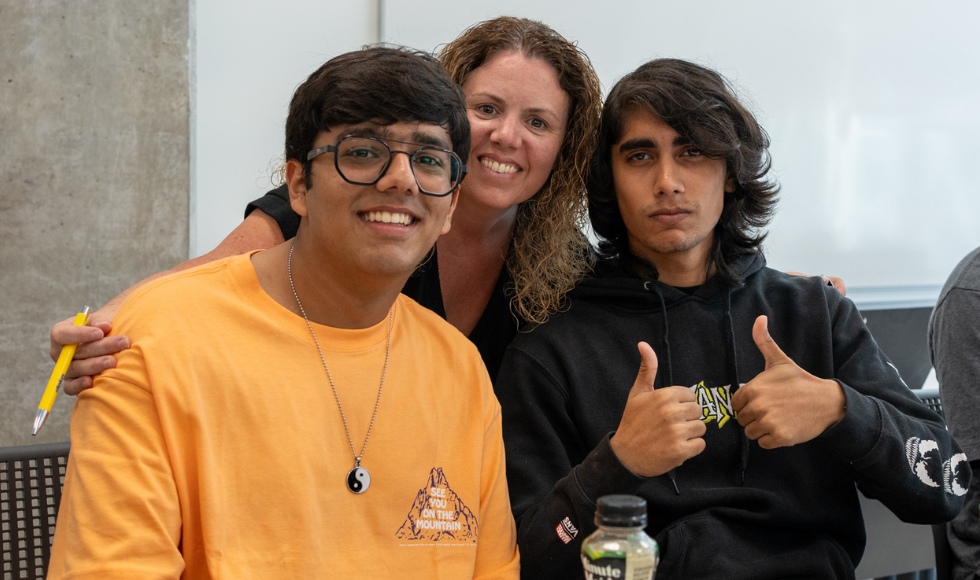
(600, 565)
(603, 567)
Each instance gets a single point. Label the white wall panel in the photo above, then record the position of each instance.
(251, 56)
(872, 110)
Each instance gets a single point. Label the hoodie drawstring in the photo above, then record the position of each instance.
(729, 332)
(668, 368)
(666, 339)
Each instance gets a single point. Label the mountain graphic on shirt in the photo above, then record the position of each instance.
(438, 514)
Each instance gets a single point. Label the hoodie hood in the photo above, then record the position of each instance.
(612, 278)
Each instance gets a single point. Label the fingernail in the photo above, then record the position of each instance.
(106, 364)
(95, 334)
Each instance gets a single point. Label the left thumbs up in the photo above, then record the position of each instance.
(784, 405)
(767, 346)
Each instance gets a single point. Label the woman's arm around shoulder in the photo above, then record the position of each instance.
(96, 349)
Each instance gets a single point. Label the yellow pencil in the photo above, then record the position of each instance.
(58, 375)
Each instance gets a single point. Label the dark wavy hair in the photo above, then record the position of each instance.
(379, 84)
(701, 106)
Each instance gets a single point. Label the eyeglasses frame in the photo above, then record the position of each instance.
(391, 155)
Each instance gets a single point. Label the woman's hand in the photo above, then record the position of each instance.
(94, 352)
(837, 283)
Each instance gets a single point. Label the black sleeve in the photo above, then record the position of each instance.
(276, 204)
(552, 494)
(900, 451)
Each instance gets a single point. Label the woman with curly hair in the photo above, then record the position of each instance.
(516, 246)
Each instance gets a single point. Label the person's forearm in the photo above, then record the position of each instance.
(546, 551)
(257, 232)
(109, 309)
(899, 451)
(95, 350)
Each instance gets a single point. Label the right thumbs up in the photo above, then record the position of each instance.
(660, 429)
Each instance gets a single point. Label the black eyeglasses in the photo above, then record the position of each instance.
(364, 161)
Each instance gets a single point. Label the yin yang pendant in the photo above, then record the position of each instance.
(358, 480)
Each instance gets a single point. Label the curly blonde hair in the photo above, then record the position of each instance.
(549, 253)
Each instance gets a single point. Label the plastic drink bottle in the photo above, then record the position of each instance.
(620, 549)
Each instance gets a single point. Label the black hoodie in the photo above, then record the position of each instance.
(738, 511)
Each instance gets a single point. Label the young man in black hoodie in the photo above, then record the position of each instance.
(763, 400)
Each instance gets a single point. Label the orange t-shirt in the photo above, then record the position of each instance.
(215, 448)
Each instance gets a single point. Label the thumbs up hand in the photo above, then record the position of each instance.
(784, 405)
(660, 429)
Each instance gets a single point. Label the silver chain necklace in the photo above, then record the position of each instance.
(358, 479)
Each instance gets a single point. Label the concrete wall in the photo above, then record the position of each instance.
(94, 173)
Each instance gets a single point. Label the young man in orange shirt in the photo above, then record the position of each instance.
(287, 413)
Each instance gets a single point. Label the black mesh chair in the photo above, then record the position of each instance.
(31, 477)
(930, 397)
